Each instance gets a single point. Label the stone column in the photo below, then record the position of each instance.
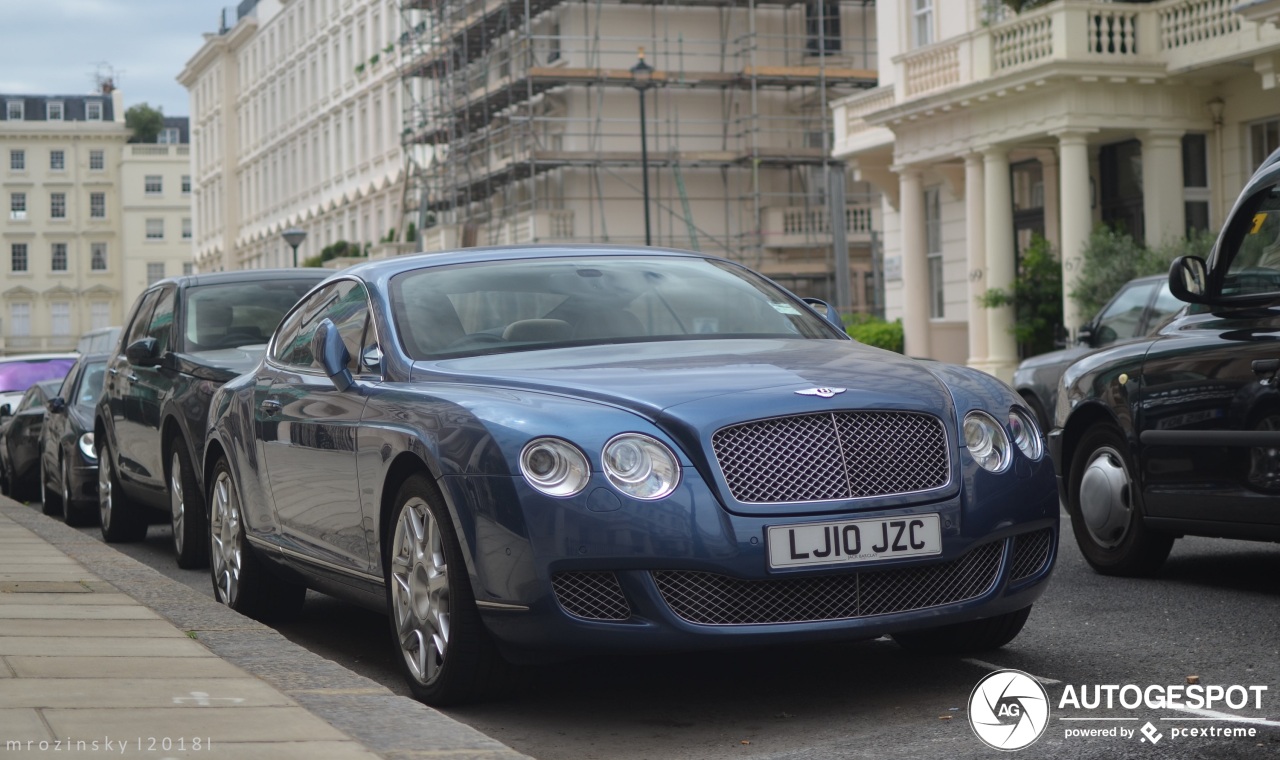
(915, 264)
(1002, 349)
(975, 227)
(1163, 210)
(1076, 218)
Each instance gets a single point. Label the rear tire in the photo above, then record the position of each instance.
(122, 520)
(240, 579)
(186, 511)
(972, 636)
(446, 654)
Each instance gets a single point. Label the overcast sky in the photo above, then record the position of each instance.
(55, 47)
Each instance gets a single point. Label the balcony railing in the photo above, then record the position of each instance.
(530, 227)
(1174, 35)
(806, 226)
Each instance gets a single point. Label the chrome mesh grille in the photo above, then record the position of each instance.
(711, 599)
(591, 595)
(1030, 552)
(838, 455)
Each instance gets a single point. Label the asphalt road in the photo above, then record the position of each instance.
(1213, 614)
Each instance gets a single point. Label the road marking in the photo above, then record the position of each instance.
(990, 666)
(1228, 717)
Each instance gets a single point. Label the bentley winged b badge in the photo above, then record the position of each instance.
(821, 392)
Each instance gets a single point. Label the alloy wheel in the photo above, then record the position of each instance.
(225, 538)
(104, 487)
(420, 591)
(177, 504)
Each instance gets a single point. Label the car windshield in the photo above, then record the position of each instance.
(91, 385)
(238, 313)
(495, 307)
(21, 375)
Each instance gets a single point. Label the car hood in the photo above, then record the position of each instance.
(1061, 357)
(222, 364)
(725, 378)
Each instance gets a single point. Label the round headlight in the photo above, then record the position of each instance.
(86, 447)
(986, 441)
(1026, 434)
(554, 467)
(640, 466)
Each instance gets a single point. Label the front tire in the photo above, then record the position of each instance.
(122, 520)
(240, 580)
(186, 511)
(446, 654)
(972, 636)
(1106, 508)
(73, 514)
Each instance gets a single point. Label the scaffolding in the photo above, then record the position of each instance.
(521, 124)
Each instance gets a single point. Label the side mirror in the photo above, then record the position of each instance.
(1084, 336)
(142, 352)
(1061, 336)
(1188, 279)
(56, 405)
(826, 310)
(5, 411)
(328, 348)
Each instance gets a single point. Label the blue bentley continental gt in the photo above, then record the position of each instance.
(527, 452)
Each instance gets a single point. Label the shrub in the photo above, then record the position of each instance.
(1036, 298)
(875, 331)
(1111, 258)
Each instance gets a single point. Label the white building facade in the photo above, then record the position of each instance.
(989, 126)
(295, 123)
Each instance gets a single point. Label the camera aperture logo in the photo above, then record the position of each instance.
(1008, 710)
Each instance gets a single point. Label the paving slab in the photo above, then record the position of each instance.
(193, 693)
(62, 666)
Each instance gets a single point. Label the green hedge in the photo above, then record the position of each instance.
(874, 331)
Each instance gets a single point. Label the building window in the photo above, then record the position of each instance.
(58, 205)
(822, 27)
(169, 136)
(97, 160)
(933, 247)
(60, 318)
(921, 22)
(93, 110)
(98, 257)
(17, 160)
(18, 257)
(53, 110)
(186, 228)
(188, 268)
(99, 314)
(97, 205)
(17, 207)
(1264, 139)
(13, 110)
(186, 184)
(58, 257)
(155, 272)
(155, 229)
(19, 320)
(153, 184)
(57, 160)
(1195, 181)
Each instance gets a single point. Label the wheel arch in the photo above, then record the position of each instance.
(1079, 423)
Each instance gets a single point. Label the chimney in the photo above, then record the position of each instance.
(117, 105)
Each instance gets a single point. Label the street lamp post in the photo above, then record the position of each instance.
(294, 237)
(642, 80)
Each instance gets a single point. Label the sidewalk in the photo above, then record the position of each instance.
(102, 656)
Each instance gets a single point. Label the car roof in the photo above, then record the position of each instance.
(37, 357)
(245, 275)
(388, 267)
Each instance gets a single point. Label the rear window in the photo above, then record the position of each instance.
(20, 375)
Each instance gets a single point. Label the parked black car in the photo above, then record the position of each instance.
(184, 338)
(1138, 309)
(68, 458)
(20, 441)
(1179, 434)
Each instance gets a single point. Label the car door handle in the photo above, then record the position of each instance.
(270, 407)
(113, 371)
(131, 378)
(1266, 370)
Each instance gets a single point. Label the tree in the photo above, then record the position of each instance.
(145, 121)
(1036, 298)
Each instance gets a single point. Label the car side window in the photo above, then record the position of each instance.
(287, 334)
(141, 319)
(161, 324)
(1165, 306)
(345, 304)
(1252, 246)
(1123, 315)
(29, 401)
(349, 313)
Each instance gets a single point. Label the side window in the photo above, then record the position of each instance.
(294, 343)
(1123, 315)
(161, 324)
(287, 333)
(29, 401)
(1164, 307)
(141, 319)
(344, 303)
(1252, 246)
(349, 313)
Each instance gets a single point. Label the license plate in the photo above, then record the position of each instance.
(846, 541)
